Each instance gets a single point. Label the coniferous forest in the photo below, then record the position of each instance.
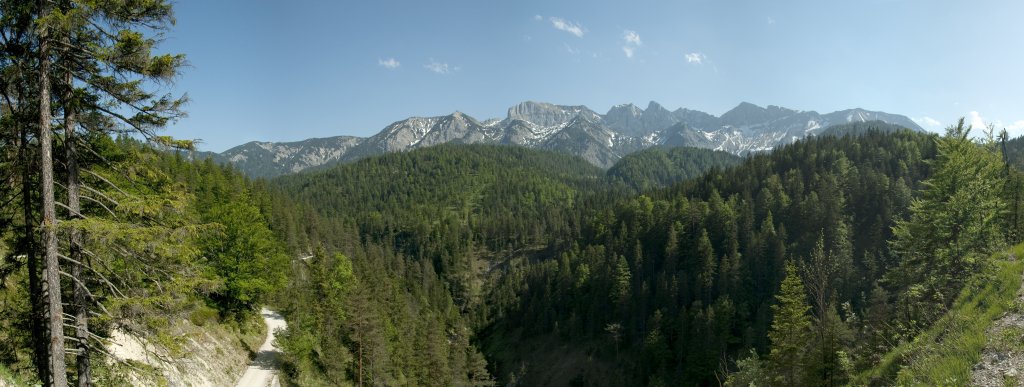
(862, 254)
(800, 266)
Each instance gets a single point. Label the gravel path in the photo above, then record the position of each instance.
(1002, 360)
(262, 371)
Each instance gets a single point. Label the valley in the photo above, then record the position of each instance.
(540, 244)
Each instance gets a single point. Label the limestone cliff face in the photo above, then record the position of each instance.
(208, 355)
(546, 115)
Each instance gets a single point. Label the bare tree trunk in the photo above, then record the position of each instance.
(39, 347)
(58, 368)
(80, 294)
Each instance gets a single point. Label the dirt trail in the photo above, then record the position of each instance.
(1002, 360)
(263, 370)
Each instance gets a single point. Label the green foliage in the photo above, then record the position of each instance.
(516, 245)
(945, 353)
(140, 239)
(708, 255)
(861, 128)
(420, 229)
(656, 167)
(202, 315)
(243, 251)
(313, 353)
(750, 371)
(791, 331)
(445, 265)
(954, 225)
(147, 245)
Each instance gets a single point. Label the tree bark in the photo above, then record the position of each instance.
(39, 347)
(80, 294)
(51, 264)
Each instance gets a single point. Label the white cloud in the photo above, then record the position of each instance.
(631, 37)
(979, 123)
(976, 121)
(440, 68)
(631, 41)
(570, 50)
(389, 63)
(695, 57)
(538, 17)
(927, 122)
(567, 26)
(1016, 126)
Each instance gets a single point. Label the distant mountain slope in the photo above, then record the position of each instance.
(600, 139)
(658, 167)
(1015, 152)
(269, 159)
(478, 183)
(860, 128)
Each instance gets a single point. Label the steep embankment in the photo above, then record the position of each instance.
(977, 342)
(1002, 359)
(208, 355)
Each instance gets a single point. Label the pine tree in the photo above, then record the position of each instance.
(709, 265)
(104, 55)
(622, 279)
(790, 333)
(953, 225)
(51, 256)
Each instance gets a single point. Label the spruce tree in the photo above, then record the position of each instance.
(955, 223)
(790, 333)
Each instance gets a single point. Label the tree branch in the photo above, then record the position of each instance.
(87, 292)
(102, 277)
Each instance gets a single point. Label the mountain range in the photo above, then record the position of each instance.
(600, 139)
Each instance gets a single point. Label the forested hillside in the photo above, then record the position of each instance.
(559, 275)
(668, 284)
(410, 238)
(659, 167)
(441, 224)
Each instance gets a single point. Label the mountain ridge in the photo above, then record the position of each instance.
(601, 139)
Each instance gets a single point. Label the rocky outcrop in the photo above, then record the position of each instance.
(546, 115)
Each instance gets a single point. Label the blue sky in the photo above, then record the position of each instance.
(290, 70)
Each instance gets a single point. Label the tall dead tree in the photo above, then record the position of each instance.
(79, 293)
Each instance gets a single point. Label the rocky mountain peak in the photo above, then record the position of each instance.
(625, 109)
(654, 106)
(624, 118)
(747, 114)
(656, 118)
(545, 114)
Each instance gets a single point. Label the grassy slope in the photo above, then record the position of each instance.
(945, 353)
